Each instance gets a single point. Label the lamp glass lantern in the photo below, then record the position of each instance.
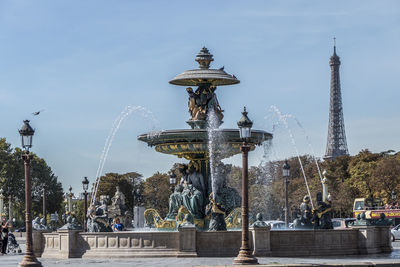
(394, 195)
(245, 125)
(85, 183)
(286, 169)
(26, 133)
(172, 178)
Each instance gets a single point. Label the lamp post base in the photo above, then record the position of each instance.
(245, 257)
(30, 261)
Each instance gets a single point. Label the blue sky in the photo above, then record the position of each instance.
(84, 61)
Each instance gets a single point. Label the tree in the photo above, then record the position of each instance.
(156, 193)
(387, 177)
(12, 180)
(361, 168)
(127, 182)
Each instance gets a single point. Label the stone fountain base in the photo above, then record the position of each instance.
(188, 242)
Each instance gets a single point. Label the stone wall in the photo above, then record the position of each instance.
(187, 242)
(314, 242)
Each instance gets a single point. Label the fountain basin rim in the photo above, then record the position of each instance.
(200, 136)
(201, 76)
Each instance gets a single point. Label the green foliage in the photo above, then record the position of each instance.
(12, 180)
(127, 182)
(349, 177)
(156, 193)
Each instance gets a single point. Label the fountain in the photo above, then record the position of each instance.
(204, 145)
(202, 201)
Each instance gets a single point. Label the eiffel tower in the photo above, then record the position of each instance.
(336, 145)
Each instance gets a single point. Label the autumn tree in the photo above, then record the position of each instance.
(387, 177)
(127, 182)
(361, 169)
(156, 193)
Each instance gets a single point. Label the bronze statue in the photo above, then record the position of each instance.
(175, 202)
(216, 211)
(322, 214)
(203, 101)
(305, 220)
(259, 223)
(195, 177)
(193, 201)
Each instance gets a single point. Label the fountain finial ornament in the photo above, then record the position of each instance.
(204, 58)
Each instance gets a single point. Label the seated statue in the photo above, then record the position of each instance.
(195, 177)
(322, 214)
(182, 169)
(175, 202)
(305, 219)
(193, 201)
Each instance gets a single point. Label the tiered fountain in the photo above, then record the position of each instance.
(204, 145)
(198, 144)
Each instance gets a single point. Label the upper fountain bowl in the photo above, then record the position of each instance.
(201, 76)
(204, 75)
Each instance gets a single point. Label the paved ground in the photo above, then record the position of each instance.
(392, 259)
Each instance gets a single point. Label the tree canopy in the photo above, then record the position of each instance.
(12, 180)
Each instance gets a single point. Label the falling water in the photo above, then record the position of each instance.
(214, 138)
(309, 145)
(283, 119)
(110, 138)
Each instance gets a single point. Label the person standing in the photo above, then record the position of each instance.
(1, 238)
(5, 238)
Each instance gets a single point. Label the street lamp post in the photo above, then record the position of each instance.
(26, 133)
(245, 255)
(85, 186)
(286, 174)
(1, 205)
(394, 196)
(70, 200)
(9, 208)
(44, 203)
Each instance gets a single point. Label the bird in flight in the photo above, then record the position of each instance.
(37, 112)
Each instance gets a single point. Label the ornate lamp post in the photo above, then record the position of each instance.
(286, 174)
(85, 186)
(245, 255)
(44, 203)
(394, 196)
(9, 208)
(26, 133)
(70, 194)
(172, 180)
(1, 205)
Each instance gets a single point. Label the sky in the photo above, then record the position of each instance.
(83, 62)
